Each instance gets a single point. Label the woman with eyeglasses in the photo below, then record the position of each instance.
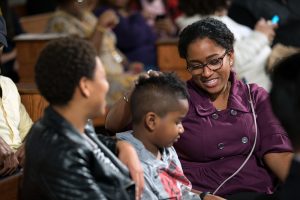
(233, 142)
(221, 151)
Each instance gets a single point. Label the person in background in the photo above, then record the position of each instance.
(288, 16)
(14, 120)
(157, 15)
(252, 47)
(248, 12)
(9, 65)
(222, 129)
(285, 103)
(75, 18)
(155, 128)
(65, 159)
(135, 38)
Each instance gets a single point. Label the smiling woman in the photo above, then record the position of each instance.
(219, 127)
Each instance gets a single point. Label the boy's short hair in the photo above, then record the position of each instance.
(158, 94)
(61, 65)
(285, 96)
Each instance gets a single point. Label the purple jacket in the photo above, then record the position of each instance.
(215, 143)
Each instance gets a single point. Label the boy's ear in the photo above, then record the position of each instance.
(151, 121)
(84, 87)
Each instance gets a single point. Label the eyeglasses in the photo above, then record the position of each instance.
(213, 64)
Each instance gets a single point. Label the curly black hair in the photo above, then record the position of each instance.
(285, 96)
(158, 94)
(61, 65)
(205, 28)
(202, 7)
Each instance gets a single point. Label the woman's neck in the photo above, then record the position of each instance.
(220, 100)
(78, 121)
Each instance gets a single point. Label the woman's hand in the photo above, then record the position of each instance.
(20, 154)
(265, 28)
(108, 19)
(116, 122)
(129, 157)
(166, 25)
(8, 160)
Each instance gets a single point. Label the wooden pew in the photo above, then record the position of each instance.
(32, 100)
(35, 103)
(29, 47)
(10, 187)
(168, 58)
(35, 23)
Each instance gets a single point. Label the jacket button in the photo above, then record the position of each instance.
(215, 116)
(244, 140)
(233, 112)
(221, 146)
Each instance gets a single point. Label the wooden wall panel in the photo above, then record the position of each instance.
(10, 187)
(169, 59)
(35, 23)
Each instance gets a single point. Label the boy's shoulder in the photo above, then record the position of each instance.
(144, 155)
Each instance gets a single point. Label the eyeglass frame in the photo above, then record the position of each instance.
(220, 59)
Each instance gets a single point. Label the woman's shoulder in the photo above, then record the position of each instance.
(258, 92)
(240, 92)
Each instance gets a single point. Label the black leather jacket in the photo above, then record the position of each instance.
(63, 164)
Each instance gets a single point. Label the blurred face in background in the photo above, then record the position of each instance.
(75, 8)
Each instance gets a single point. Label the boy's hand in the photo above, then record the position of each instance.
(129, 157)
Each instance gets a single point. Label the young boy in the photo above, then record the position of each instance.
(158, 104)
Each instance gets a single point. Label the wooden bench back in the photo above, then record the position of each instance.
(168, 58)
(35, 23)
(10, 187)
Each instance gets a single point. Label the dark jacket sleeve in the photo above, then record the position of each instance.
(109, 142)
(70, 180)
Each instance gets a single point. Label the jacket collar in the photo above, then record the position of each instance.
(62, 126)
(238, 97)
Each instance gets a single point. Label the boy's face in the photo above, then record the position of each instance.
(169, 128)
